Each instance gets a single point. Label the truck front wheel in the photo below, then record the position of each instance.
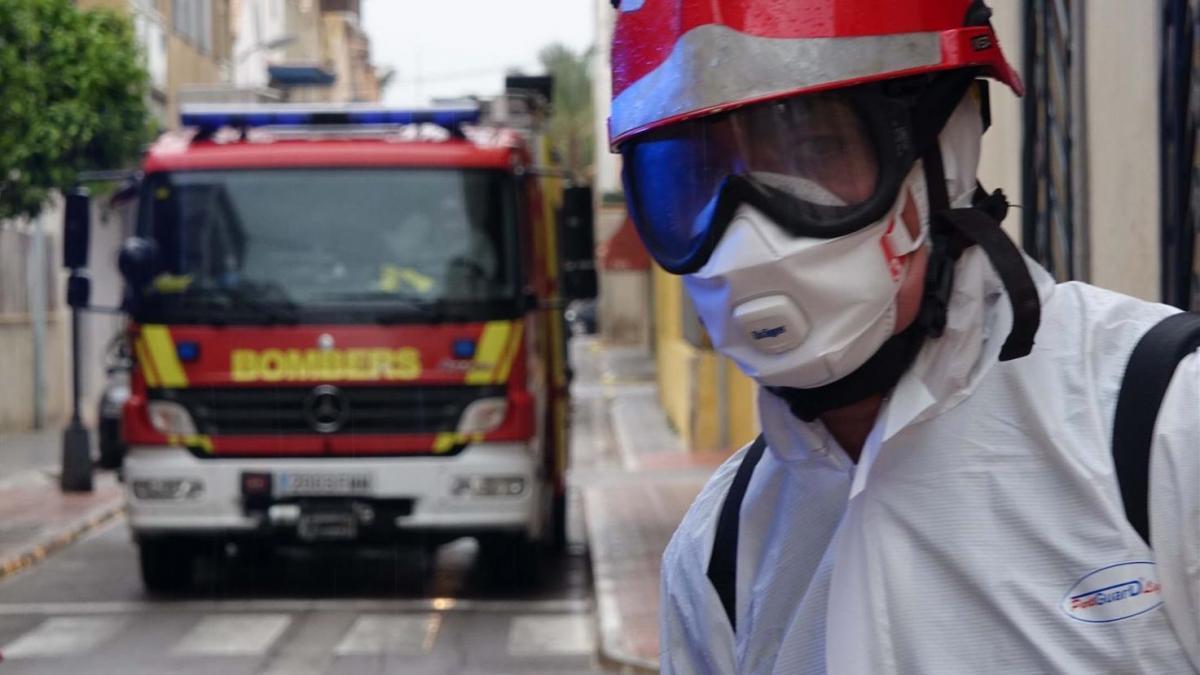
(166, 564)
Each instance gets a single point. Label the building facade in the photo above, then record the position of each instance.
(304, 51)
(1101, 152)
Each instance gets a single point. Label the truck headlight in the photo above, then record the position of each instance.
(170, 418)
(173, 489)
(482, 416)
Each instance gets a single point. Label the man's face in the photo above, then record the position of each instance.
(828, 144)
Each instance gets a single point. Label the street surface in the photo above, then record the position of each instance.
(83, 610)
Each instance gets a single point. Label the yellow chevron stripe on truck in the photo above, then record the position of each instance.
(164, 357)
(202, 441)
(143, 359)
(445, 442)
(488, 352)
(510, 354)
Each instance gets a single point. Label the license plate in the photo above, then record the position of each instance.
(322, 484)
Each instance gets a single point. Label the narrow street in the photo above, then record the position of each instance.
(301, 611)
(84, 610)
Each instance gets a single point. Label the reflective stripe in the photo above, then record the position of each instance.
(143, 357)
(714, 65)
(162, 353)
(445, 442)
(510, 354)
(488, 352)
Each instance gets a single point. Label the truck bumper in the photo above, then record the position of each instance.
(172, 492)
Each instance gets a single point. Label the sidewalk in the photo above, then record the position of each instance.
(36, 518)
(633, 501)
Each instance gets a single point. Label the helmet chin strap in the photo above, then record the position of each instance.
(952, 231)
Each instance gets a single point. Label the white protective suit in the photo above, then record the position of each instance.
(983, 496)
(982, 528)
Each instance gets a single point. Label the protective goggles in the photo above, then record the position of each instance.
(820, 165)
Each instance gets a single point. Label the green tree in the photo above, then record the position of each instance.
(72, 98)
(571, 129)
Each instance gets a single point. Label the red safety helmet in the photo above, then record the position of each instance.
(677, 59)
(814, 111)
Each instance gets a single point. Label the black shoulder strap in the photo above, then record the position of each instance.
(1145, 383)
(722, 565)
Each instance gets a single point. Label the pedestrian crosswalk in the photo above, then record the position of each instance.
(329, 635)
(406, 635)
(63, 635)
(233, 635)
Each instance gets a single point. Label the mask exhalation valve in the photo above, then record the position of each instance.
(773, 324)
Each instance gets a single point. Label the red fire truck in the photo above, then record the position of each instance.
(346, 325)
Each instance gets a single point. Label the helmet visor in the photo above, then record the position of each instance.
(826, 159)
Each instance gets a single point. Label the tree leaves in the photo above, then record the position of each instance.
(72, 98)
(571, 131)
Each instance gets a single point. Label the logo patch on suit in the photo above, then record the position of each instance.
(1113, 593)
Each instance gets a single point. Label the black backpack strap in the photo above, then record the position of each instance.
(722, 565)
(1145, 383)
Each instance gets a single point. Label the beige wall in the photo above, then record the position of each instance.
(348, 51)
(1123, 140)
(16, 370)
(624, 312)
(1001, 164)
(1122, 187)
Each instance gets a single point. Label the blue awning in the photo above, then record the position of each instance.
(300, 76)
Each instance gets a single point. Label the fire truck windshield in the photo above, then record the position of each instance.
(330, 244)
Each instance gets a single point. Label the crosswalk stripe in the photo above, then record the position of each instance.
(308, 647)
(565, 605)
(64, 635)
(390, 634)
(233, 635)
(536, 635)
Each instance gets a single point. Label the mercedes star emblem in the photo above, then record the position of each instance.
(326, 409)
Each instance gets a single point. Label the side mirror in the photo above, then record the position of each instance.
(138, 262)
(77, 222)
(577, 244)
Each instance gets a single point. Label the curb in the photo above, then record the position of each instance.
(608, 619)
(54, 542)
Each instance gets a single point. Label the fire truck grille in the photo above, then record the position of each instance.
(227, 411)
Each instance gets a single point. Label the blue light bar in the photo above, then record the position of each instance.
(209, 118)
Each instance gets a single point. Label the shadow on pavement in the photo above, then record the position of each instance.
(455, 570)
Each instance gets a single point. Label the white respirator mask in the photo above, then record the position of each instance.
(794, 224)
(803, 312)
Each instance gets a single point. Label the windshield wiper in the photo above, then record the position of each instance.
(393, 308)
(251, 297)
(432, 311)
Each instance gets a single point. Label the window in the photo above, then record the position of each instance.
(1180, 110)
(1053, 191)
(192, 20)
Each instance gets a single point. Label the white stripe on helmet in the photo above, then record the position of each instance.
(715, 65)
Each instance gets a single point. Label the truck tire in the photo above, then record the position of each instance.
(557, 540)
(166, 565)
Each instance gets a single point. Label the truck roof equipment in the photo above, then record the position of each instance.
(207, 119)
